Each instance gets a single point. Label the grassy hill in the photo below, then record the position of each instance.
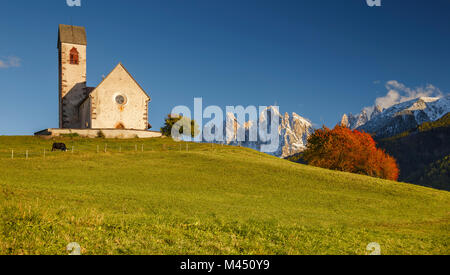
(208, 200)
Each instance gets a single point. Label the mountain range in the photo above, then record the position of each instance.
(398, 118)
(293, 132)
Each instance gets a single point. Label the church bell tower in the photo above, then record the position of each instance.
(72, 45)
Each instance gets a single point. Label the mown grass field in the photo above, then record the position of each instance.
(208, 200)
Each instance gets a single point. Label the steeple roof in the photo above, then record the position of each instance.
(72, 35)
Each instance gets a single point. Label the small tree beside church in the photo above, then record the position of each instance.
(171, 120)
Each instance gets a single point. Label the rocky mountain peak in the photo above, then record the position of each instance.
(293, 131)
(400, 117)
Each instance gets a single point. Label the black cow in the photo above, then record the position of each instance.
(59, 146)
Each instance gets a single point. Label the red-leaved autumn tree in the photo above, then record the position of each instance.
(349, 151)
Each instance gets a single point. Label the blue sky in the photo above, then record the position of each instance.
(318, 58)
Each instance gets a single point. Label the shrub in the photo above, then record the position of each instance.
(350, 151)
(100, 134)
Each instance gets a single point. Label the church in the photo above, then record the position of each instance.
(118, 106)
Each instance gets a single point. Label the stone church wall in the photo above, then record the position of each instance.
(72, 85)
(85, 114)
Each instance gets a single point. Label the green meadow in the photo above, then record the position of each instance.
(162, 197)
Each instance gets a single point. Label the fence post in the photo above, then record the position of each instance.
(12, 154)
(27, 154)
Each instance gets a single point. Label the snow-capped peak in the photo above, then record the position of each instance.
(293, 131)
(400, 117)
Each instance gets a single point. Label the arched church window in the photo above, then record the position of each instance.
(74, 56)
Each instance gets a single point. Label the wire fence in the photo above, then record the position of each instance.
(107, 148)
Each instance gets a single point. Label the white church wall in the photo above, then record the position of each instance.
(108, 113)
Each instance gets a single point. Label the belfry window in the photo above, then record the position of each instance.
(74, 56)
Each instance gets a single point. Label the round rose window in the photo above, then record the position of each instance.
(121, 100)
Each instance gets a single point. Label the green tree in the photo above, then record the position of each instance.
(181, 122)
